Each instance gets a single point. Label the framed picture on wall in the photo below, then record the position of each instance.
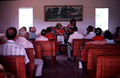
(63, 12)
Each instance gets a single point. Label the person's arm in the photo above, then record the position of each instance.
(68, 26)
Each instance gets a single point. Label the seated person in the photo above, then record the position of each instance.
(26, 44)
(48, 34)
(60, 33)
(117, 32)
(53, 32)
(10, 47)
(91, 34)
(98, 39)
(75, 35)
(98, 36)
(108, 37)
(117, 35)
(25, 28)
(42, 36)
(32, 34)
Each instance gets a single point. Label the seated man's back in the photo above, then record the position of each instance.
(10, 47)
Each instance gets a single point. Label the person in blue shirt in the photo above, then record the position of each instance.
(32, 34)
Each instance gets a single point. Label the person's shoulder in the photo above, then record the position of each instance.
(80, 34)
(18, 46)
(29, 43)
(93, 38)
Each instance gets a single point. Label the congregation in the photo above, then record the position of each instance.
(15, 43)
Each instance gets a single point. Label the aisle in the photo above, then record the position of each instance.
(62, 69)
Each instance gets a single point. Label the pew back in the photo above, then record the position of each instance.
(14, 65)
(77, 44)
(30, 65)
(108, 66)
(56, 44)
(96, 46)
(47, 47)
(2, 73)
(37, 49)
(94, 53)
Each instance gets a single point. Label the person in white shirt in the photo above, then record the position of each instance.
(26, 44)
(91, 34)
(10, 47)
(75, 35)
(42, 36)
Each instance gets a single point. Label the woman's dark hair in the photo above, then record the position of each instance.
(108, 34)
(48, 29)
(11, 33)
(43, 32)
(117, 32)
(75, 29)
(90, 28)
(72, 21)
(98, 31)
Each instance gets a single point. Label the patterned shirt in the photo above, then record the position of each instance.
(11, 48)
(22, 41)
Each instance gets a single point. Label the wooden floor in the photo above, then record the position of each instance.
(62, 68)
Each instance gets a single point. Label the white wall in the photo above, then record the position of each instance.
(9, 13)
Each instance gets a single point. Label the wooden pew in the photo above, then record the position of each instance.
(108, 67)
(47, 49)
(96, 46)
(77, 43)
(57, 49)
(2, 73)
(37, 49)
(94, 53)
(14, 65)
(30, 65)
(58, 46)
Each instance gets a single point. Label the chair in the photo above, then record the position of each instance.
(14, 65)
(47, 49)
(30, 65)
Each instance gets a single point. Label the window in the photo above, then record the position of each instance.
(101, 18)
(26, 17)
